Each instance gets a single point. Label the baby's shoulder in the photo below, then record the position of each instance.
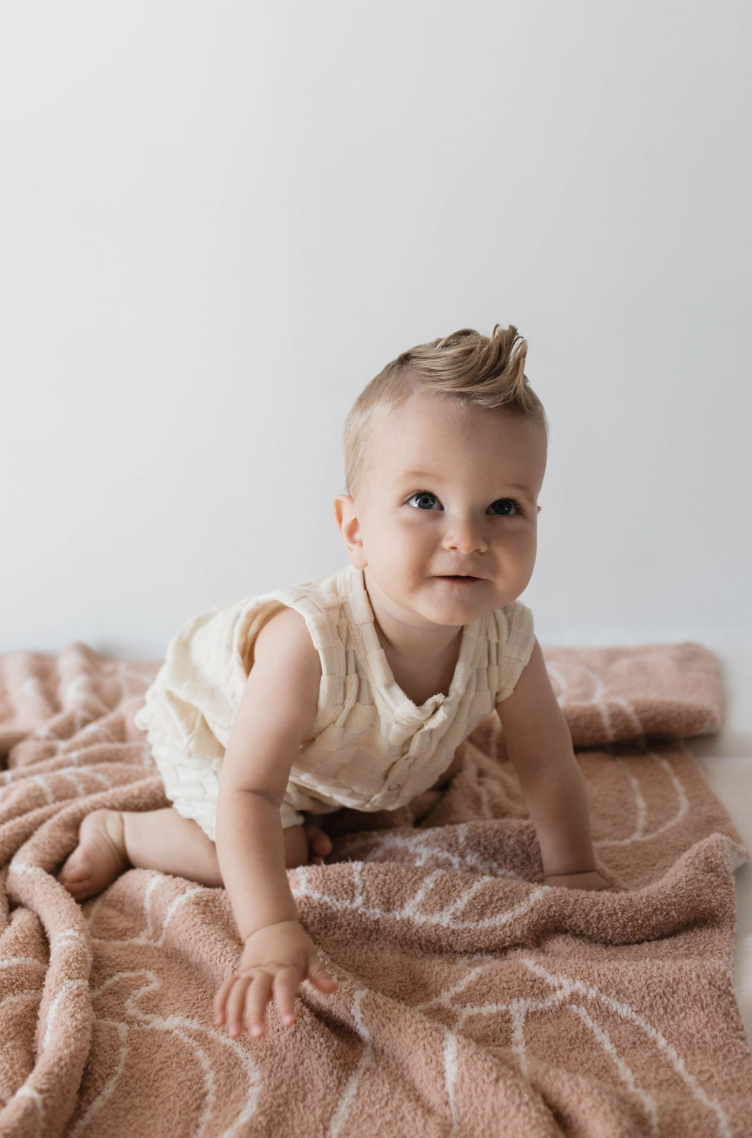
(286, 634)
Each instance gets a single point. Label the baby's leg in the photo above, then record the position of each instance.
(111, 841)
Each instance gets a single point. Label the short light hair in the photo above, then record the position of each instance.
(467, 367)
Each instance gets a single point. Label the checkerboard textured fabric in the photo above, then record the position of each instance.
(370, 747)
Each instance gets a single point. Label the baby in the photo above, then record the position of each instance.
(354, 689)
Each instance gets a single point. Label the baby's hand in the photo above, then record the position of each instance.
(275, 960)
(590, 880)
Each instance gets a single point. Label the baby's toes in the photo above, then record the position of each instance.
(318, 842)
(79, 890)
(76, 869)
(99, 857)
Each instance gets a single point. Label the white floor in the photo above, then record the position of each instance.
(726, 760)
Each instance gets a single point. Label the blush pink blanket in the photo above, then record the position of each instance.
(472, 1000)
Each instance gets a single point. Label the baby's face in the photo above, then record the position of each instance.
(448, 492)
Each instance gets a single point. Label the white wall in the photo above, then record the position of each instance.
(219, 220)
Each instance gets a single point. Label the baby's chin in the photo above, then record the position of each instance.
(442, 601)
(451, 601)
(448, 600)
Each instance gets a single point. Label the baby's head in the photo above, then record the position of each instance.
(445, 453)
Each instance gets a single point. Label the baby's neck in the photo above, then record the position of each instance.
(416, 650)
(412, 645)
(421, 673)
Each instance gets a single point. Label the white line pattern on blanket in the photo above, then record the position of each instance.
(467, 990)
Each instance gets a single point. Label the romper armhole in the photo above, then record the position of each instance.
(321, 614)
(516, 636)
(250, 626)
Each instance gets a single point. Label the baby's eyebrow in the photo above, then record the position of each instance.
(412, 474)
(417, 474)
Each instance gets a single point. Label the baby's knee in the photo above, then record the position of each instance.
(296, 846)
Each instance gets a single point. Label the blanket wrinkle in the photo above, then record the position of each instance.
(469, 992)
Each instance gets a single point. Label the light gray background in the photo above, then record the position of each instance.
(218, 221)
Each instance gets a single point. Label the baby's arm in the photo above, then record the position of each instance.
(539, 745)
(278, 706)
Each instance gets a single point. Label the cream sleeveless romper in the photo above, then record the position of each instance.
(370, 747)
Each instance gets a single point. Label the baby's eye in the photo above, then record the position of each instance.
(422, 494)
(507, 507)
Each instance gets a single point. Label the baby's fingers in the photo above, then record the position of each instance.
(238, 999)
(286, 984)
(256, 998)
(319, 976)
(220, 999)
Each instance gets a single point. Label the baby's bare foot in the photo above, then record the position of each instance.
(319, 843)
(99, 857)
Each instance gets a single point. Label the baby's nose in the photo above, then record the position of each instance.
(466, 538)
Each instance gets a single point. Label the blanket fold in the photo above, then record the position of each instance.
(472, 999)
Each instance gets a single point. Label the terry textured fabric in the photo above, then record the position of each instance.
(370, 747)
(472, 1000)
